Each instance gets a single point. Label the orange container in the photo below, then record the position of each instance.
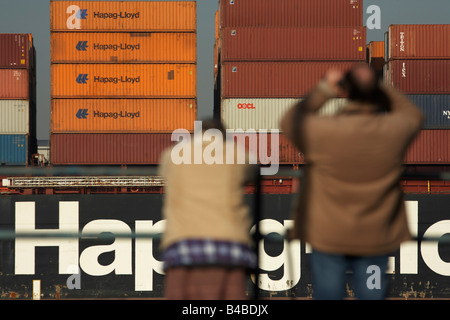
(122, 115)
(141, 47)
(123, 16)
(376, 50)
(124, 80)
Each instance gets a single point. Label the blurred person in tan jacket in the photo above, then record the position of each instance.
(350, 207)
(206, 245)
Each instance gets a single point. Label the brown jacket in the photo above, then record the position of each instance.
(205, 201)
(351, 201)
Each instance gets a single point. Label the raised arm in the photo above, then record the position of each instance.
(326, 89)
(405, 108)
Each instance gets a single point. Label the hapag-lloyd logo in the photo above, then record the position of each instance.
(83, 78)
(135, 256)
(123, 114)
(83, 46)
(117, 15)
(116, 80)
(116, 47)
(77, 15)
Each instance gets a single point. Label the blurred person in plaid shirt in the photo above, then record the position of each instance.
(206, 245)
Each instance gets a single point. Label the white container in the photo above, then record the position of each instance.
(260, 114)
(14, 117)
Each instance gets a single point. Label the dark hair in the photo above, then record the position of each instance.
(213, 124)
(371, 94)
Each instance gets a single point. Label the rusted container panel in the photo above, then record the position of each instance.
(217, 36)
(138, 47)
(430, 147)
(14, 84)
(420, 76)
(14, 117)
(122, 115)
(124, 80)
(108, 149)
(419, 41)
(271, 148)
(15, 50)
(289, 44)
(274, 79)
(265, 114)
(123, 16)
(290, 13)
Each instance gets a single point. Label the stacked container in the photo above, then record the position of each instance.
(123, 78)
(418, 64)
(273, 52)
(17, 99)
(376, 57)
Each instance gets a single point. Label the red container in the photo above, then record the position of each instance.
(274, 79)
(289, 44)
(430, 147)
(108, 149)
(260, 146)
(14, 84)
(419, 41)
(15, 50)
(291, 13)
(419, 76)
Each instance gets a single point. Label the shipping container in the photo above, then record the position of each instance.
(274, 79)
(293, 44)
(430, 147)
(436, 109)
(14, 149)
(14, 84)
(123, 80)
(108, 149)
(15, 50)
(14, 117)
(260, 114)
(138, 47)
(420, 76)
(376, 50)
(419, 41)
(270, 148)
(122, 115)
(101, 16)
(291, 13)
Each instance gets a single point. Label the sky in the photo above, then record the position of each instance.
(33, 16)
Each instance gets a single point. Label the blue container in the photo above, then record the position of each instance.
(13, 149)
(436, 109)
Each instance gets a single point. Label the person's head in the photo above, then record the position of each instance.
(361, 85)
(213, 124)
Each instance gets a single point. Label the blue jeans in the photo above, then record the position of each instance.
(329, 276)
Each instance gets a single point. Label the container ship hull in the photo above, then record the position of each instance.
(71, 268)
